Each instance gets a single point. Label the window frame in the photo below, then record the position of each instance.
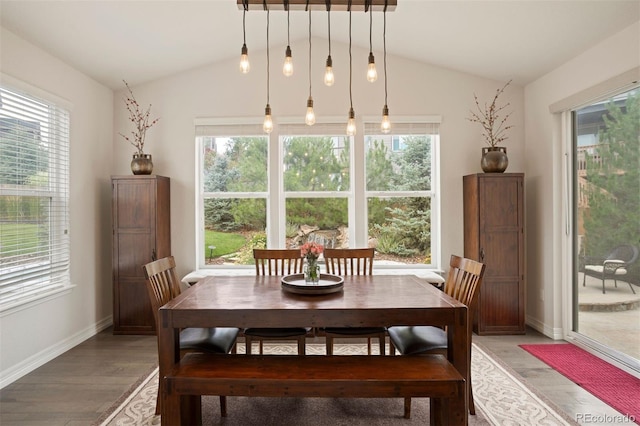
(56, 278)
(357, 195)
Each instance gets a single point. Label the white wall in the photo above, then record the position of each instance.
(36, 334)
(546, 257)
(219, 90)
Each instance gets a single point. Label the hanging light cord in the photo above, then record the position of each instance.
(370, 28)
(309, 52)
(267, 55)
(329, 23)
(350, 63)
(244, 17)
(384, 39)
(288, 35)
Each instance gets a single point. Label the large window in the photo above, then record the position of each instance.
(304, 183)
(399, 191)
(34, 197)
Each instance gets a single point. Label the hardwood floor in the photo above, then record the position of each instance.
(78, 386)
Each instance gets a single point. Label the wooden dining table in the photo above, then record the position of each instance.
(364, 301)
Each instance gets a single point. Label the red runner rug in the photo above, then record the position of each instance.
(612, 385)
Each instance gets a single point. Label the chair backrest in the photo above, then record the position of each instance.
(464, 280)
(355, 261)
(626, 252)
(277, 261)
(162, 282)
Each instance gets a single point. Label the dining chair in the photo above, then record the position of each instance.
(277, 262)
(463, 284)
(355, 261)
(162, 286)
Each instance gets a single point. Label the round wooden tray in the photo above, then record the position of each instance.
(327, 284)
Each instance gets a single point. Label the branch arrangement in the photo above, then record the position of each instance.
(140, 119)
(494, 127)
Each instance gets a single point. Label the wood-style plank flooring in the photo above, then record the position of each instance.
(78, 386)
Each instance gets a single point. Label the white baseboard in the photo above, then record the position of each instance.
(551, 332)
(23, 368)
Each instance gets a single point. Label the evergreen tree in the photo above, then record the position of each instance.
(613, 217)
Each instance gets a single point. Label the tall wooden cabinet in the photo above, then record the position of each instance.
(141, 233)
(494, 235)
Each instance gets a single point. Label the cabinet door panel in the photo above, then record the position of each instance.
(135, 250)
(134, 306)
(502, 254)
(133, 206)
(500, 305)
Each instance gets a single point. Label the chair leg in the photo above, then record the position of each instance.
(248, 343)
(407, 408)
(368, 345)
(261, 346)
(158, 408)
(631, 287)
(329, 343)
(301, 345)
(223, 406)
(382, 344)
(603, 286)
(472, 406)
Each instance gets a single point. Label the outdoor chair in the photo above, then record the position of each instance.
(463, 284)
(615, 266)
(162, 286)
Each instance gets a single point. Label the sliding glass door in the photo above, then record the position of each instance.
(606, 188)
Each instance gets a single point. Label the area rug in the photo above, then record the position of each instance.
(608, 383)
(500, 399)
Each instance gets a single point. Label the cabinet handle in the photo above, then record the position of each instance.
(154, 255)
(482, 254)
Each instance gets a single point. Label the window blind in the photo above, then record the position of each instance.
(408, 128)
(34, 197)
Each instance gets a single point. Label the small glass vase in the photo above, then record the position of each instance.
(311, 272)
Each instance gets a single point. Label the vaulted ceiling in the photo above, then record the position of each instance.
(144, 40)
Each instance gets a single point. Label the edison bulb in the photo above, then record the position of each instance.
(310, 117)
(244, 60)
(385, 125)
(287, 68)
(328, 73)
(267, 125)
(372, 73)
(351, 124)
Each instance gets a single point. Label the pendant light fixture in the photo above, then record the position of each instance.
(287, 68)
(329, 78)
(372, 73)
(244, 53)
(385, 125)
(351, 123)
(267, 125)
(310, 117)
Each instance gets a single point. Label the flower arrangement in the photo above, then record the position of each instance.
(140, 119)
(488, 117)
(311, 251)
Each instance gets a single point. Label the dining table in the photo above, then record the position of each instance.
(363, 301)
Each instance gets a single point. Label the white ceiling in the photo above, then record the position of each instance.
(143, 40)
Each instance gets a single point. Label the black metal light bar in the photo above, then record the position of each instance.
(334, 5)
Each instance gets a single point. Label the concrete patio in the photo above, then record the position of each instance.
(612, 318)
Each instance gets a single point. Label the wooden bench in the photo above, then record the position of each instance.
(314, 376)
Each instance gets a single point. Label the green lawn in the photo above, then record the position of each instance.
(225, 243)
(11, 234)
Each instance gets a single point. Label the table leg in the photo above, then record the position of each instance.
(168, 356)
(459, 355)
